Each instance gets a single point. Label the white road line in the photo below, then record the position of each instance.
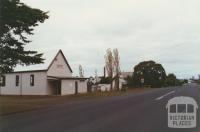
(161, 97)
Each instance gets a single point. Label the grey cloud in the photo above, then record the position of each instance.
(165, 31)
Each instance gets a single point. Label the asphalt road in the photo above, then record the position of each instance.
(143, 112)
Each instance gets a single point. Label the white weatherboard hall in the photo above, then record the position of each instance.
(57, 79)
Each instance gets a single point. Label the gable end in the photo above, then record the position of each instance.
(60, 51)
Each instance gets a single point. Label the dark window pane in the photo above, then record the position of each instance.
(173, 108)
(17, 80)
(181, 108)
(3, 80)
(190, 108)
(32, 80)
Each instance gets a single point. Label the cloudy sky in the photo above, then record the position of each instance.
(167, 31)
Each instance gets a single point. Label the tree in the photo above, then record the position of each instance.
(152, 73)
(116, 66)
(105, 80)
(112, 67)
(109, 64)
(17, 22)
(185, 81)
(130, 81)
(170, 80)
(90, 82)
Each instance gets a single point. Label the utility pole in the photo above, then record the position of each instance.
(1, 79)
(81, 71)
(0, 83)
(104, 71)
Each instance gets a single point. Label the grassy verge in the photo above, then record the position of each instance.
(15, 104)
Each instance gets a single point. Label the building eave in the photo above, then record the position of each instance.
(28, 71)
(69, 78)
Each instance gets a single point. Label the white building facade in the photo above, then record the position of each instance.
(57, 79)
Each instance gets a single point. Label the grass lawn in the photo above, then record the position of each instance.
(15, 104)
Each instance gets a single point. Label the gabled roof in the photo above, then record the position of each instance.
(60, 51)
(42, 67)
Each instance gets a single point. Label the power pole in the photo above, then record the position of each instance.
(81, 72)
(1, 79)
